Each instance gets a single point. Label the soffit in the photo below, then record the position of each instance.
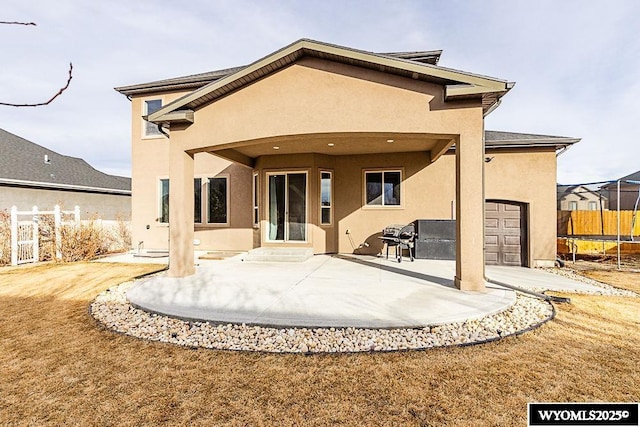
(339, 144)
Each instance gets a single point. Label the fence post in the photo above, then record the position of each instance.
(57, 220)
(14, 235)
(36, 235)
(76, 213)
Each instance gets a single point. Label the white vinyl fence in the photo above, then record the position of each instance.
(25, 232)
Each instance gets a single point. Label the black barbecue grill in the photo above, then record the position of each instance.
(401, 237)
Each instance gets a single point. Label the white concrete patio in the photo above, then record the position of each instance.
(333, 291)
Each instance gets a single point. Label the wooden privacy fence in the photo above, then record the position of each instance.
(596, 223)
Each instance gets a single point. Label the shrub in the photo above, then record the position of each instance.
(83, 241)
(5, 238)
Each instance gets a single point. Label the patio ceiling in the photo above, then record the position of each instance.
(336, 144)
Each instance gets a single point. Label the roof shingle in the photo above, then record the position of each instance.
(24, 161)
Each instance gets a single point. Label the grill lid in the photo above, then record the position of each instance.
(399, 230)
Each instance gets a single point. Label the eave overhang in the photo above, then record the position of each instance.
(463, 85)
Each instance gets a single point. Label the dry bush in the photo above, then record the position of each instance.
(5, 238)
(84, 241)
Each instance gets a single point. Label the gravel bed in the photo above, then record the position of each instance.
(112, 309)
(604, 289)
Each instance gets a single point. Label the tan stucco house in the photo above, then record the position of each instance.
(322, 146)
(629, 192)
(581, 198)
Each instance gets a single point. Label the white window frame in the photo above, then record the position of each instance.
(306, 206)
(205, 205)
(330, 207)
(255, 200)
(145, 112)
(365, 205)
(573, 205)
(593, 204)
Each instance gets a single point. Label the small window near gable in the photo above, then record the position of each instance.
(573, 206)
(593, 206)
(151, 106)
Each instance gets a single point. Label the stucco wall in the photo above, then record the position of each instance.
(528, 177)
(315, 96)
(105, 206)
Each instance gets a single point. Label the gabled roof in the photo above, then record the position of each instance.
(578, 190)
(22, 163)
(498, 139)
(415, 65)
(631, 177)
(196, 81)
(635, 177)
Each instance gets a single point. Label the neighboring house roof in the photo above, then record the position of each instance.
(497, 139)
(22, 163)
(635, 176)
(415, 65)
(578, 190)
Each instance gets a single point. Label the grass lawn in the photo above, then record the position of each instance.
(59, 367)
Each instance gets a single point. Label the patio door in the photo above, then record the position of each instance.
(287, 194)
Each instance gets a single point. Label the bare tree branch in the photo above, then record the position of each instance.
(50, 100)
(8, 104)
(18, 23)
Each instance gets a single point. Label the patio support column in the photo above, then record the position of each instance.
(470, 211)
(181, 256)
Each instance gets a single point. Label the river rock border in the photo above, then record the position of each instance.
(113, 311)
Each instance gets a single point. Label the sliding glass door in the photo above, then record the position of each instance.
(287, 207)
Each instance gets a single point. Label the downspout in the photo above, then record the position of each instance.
(161, 130)
(548, 298)
(159, 125)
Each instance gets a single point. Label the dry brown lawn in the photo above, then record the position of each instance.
(59, 367)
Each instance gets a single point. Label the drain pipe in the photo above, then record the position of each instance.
(548, 298)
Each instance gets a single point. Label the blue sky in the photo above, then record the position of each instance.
(575, 63)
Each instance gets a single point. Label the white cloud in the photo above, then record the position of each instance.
(575, 66)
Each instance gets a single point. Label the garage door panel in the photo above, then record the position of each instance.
(491, 207)
(511, 259)
(513, 240)
(511, 208)
(492, 223)
(512, 223)
(491, 240)
(491, 258)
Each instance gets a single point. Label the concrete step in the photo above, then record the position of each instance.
(287, 254)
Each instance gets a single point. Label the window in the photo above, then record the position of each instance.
(256, 198)
(382, 188)
(326, 201)
(593, 206)
(164, 201)
(217, 201)
(216, 197)
(197, 200)
(573, 206)
(151, 106)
